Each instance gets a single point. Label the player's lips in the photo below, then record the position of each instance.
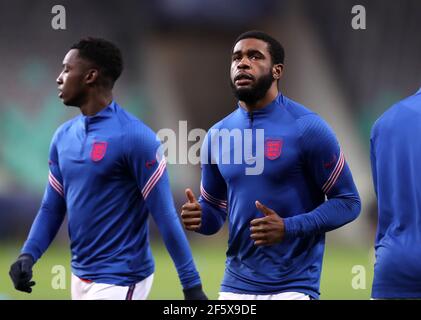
(60, 93)
(243, 82)
(243, 79)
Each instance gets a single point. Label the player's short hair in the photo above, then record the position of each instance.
(105, 55)
(276, 50)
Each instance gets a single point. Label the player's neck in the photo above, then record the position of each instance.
(96, 103)
(270, 95)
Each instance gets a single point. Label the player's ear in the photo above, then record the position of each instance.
(277, 71)
(91, 76)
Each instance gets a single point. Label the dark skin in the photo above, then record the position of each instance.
(251, 58)
(191, 212)
(250, 61)
(79, 85)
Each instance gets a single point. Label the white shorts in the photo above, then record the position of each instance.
(88, 290)
(278, 296)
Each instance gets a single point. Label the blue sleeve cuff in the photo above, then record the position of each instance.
(292, 227)
(212, 218)
(31, 247)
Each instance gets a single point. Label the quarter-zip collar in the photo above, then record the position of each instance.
(262, 112)
(105, 113)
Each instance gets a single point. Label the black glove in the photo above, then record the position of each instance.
(21, 273)
(195, 293)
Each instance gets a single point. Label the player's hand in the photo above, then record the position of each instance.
(195, 293)
(21, 273)
(267, 230)
(191, 212)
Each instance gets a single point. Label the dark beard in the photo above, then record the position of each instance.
(256, 92)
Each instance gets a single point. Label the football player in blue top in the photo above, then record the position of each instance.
(107, 173)
(279, 212)
(396, 167)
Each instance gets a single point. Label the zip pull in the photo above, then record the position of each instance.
(86, 125)
(251, 118)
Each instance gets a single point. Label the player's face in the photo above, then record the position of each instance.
(251, 70)
(71, 81)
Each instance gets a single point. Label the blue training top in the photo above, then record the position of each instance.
(302, 165)
(396, 168)
(107, 173)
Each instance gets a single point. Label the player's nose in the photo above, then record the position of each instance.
(243, 64)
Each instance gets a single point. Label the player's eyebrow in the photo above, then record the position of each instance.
(236, 54)
(255, 51)
(248, 52)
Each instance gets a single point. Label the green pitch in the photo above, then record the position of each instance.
(337, 282)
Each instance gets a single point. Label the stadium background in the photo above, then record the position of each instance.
(177, 55)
